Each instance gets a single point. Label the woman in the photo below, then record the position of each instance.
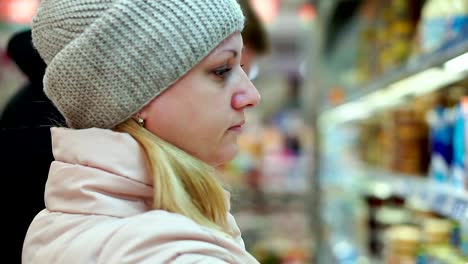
(154, 95)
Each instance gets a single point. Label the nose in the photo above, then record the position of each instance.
(246, 96)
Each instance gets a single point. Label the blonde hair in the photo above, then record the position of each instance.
(182, 183)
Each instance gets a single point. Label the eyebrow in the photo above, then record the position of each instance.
(234, 52)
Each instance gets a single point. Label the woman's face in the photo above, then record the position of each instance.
(203, 112)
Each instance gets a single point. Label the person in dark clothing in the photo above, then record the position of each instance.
(29, 107)
(25, 144)
(255, 36)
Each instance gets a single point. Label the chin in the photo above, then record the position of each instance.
(224, 157)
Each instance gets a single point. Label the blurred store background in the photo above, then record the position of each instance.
(393, 131)
(358, 151)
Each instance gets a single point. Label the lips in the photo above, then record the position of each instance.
(238, 126)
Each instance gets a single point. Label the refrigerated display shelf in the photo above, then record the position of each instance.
(441, 198)
(413, 67)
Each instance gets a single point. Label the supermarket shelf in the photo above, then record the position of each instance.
(412, 67)
(418, 76)
(442, 199)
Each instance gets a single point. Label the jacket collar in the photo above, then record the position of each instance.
(98, 171)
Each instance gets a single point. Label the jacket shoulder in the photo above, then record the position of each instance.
(153, 237)
(162, 237)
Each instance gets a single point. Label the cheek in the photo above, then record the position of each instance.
(206, 137)
(195, 128)
(195, 121)
(162, 116)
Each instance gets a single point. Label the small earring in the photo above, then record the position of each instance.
(140, 121)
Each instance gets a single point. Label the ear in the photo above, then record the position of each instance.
(136, 115)
(143, 113)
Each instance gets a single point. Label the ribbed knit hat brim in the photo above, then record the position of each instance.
(107, 59)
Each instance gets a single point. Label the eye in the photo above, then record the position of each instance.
(222, 72)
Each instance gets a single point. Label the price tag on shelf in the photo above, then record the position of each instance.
(459, 209)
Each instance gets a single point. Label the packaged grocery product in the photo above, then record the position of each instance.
(402, 244)
(441, 121)
(387, 217)
(464, 104)
(457, 24)
(459, 176)
(407, 136)
(398, 20)
(436, 241)
(433, 25)
(444, 24)
(420, 210)
(464, 238)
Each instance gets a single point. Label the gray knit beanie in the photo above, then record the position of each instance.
(106, 59)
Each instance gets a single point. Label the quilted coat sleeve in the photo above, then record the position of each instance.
(162, 237)
(198, 259)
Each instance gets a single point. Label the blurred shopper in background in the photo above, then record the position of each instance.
(26, 152)
(256, 43)
(29, 107)
(154, 95)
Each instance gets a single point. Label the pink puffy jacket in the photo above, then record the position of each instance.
(98, 196)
